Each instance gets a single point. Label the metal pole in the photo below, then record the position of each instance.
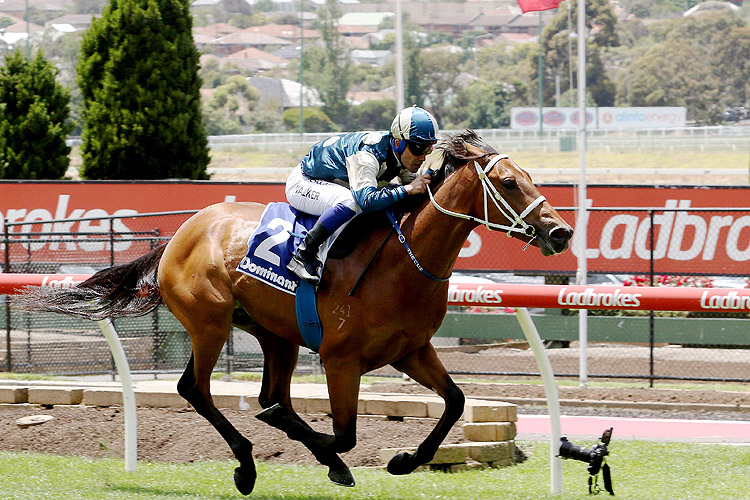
(582, 222)
(550, 391)
(8, 361)
(128, 395)
(651, 313)
(301, 70)
(540, 77)
(570, 57)
(399, 59)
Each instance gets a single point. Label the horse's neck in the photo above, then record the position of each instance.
(437, 238)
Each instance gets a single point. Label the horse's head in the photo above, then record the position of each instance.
(504, 198)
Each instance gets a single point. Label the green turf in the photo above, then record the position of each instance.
(641, 470)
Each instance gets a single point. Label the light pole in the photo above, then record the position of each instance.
(399, 59)
(476, 49)
(301, 69)
(540, 77)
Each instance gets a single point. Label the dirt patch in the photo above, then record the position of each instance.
(181, 435)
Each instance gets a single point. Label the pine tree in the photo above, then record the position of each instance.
(138, 75)
(33, 119)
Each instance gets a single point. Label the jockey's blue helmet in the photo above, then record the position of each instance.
(413, 124)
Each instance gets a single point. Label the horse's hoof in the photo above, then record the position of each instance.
(244, 479)
(269, 414)
(399, 464)
(342, 477)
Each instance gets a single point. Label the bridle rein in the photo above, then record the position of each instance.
(490, 192)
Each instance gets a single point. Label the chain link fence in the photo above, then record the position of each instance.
(712, 249)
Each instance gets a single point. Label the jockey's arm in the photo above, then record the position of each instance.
(362, 170)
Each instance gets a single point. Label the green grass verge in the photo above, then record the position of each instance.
(530, 160)
(641, 470)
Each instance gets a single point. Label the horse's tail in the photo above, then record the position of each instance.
(130, 289)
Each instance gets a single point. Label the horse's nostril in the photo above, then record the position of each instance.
(560, 234)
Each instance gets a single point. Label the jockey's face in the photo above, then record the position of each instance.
(412, 161)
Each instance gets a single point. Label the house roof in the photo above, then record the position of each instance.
(357, 98)
(494, 20)
(445, 19)
(531, 19)
(253, 53)
(285, 93)
(204, 3)
(356, 29)
(249, 38)
(357, 42)
(78, 20)
(364, 18)
(20, 27)
(216, 30)
(286, 31)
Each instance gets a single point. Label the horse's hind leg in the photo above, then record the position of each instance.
(194, 386)
(280, 359)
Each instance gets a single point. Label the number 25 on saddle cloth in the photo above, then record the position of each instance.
(271, 247)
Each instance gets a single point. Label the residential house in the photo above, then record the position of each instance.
(453, 23)
(288, 32)
(373, 57)
(283, 93)
(71, 22)
(256, 60)
(240, 40)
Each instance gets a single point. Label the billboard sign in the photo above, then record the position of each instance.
(687, 238)
(566, 118)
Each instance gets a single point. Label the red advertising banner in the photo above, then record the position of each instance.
(687, 238)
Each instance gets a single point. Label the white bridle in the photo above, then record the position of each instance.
(518, 225)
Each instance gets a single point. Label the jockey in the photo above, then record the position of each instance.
(349, 173)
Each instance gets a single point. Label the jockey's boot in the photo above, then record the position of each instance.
(305, 263)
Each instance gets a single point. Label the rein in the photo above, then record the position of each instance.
(507, 211)
(402, 239)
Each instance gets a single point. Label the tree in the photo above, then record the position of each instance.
(699, 62)
(328, 67)
(670, 74)
(488, 105)
(228, 109)
(732, 64)
(555, 43)
(33, 119)
(376, 114)
(315, 120)
(441, 69)
(138, 75)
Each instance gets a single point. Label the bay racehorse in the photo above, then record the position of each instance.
(388, 321)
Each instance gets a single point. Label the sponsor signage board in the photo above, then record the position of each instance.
(686, 240)
(567, 118)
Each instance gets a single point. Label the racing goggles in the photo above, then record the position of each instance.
(419, 148)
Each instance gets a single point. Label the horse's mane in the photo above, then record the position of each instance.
(456, 153)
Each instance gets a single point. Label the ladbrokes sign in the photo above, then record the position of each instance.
(686, 238)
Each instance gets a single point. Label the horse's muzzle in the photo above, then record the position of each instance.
(557, 240)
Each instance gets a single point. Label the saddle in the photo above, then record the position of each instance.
(274, 242)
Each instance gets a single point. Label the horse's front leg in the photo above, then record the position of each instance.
(424, 366)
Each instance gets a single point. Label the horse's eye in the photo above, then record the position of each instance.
(510, 184)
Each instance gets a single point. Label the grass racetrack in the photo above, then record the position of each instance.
(640, 470)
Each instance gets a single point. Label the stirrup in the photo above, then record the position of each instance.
(299, 267)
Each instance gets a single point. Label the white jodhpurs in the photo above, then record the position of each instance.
(315, 196)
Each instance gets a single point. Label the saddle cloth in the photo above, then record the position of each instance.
(274, 242)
